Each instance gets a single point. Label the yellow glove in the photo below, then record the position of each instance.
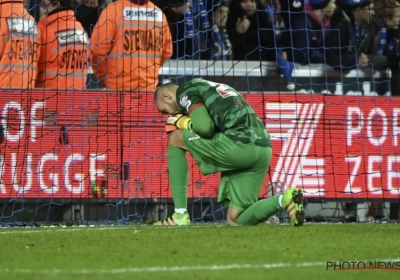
(178, 122)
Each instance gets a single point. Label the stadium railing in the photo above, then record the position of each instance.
(253, 76)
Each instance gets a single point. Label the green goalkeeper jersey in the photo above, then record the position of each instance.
(229, 111)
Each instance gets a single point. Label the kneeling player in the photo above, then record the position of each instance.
(240, 150)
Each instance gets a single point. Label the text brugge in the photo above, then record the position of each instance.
(45, 170)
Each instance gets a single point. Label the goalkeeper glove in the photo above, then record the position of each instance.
(178, 122)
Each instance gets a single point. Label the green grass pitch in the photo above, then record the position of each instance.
(197, 252)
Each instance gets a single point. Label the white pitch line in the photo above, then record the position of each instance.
(160, 269)
(172, 268)
(49, 229)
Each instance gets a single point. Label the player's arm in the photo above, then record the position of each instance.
(201, 122)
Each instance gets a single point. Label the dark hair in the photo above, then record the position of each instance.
(219, 4)
(236, 11)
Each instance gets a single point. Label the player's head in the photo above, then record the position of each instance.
(165, 98)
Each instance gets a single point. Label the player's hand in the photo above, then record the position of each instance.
(169, 128)
(178, 122)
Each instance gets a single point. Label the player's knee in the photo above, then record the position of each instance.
(232, 216)
(231, 222)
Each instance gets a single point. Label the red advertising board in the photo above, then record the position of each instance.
(57, 144)
(335, 146)
(53, 144)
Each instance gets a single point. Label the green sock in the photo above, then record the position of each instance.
(178, 176)
(259, 211)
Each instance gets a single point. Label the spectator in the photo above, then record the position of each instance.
(88, 13)
(284, 10)
(250, 30)
(348, 26)
(289, 8)
(19, 46)
(281, 29)
(221, 48)
(65, 51)
(189, 26)
(282, 41)
(130, 43)
(184, 30)
(309, 30)
(380, 42)
(200, 10)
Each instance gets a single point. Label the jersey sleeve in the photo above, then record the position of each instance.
(189, 97)
(202, 124)
(192, 101)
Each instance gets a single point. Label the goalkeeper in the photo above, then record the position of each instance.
(223, 134)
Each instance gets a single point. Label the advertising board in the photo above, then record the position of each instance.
(90, 144)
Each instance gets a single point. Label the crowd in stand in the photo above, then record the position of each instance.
(343, 34)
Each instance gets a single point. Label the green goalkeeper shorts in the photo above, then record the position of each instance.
(243, 167)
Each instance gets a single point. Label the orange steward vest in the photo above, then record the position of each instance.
(65, 53)
(130, 43)
(19, 46)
